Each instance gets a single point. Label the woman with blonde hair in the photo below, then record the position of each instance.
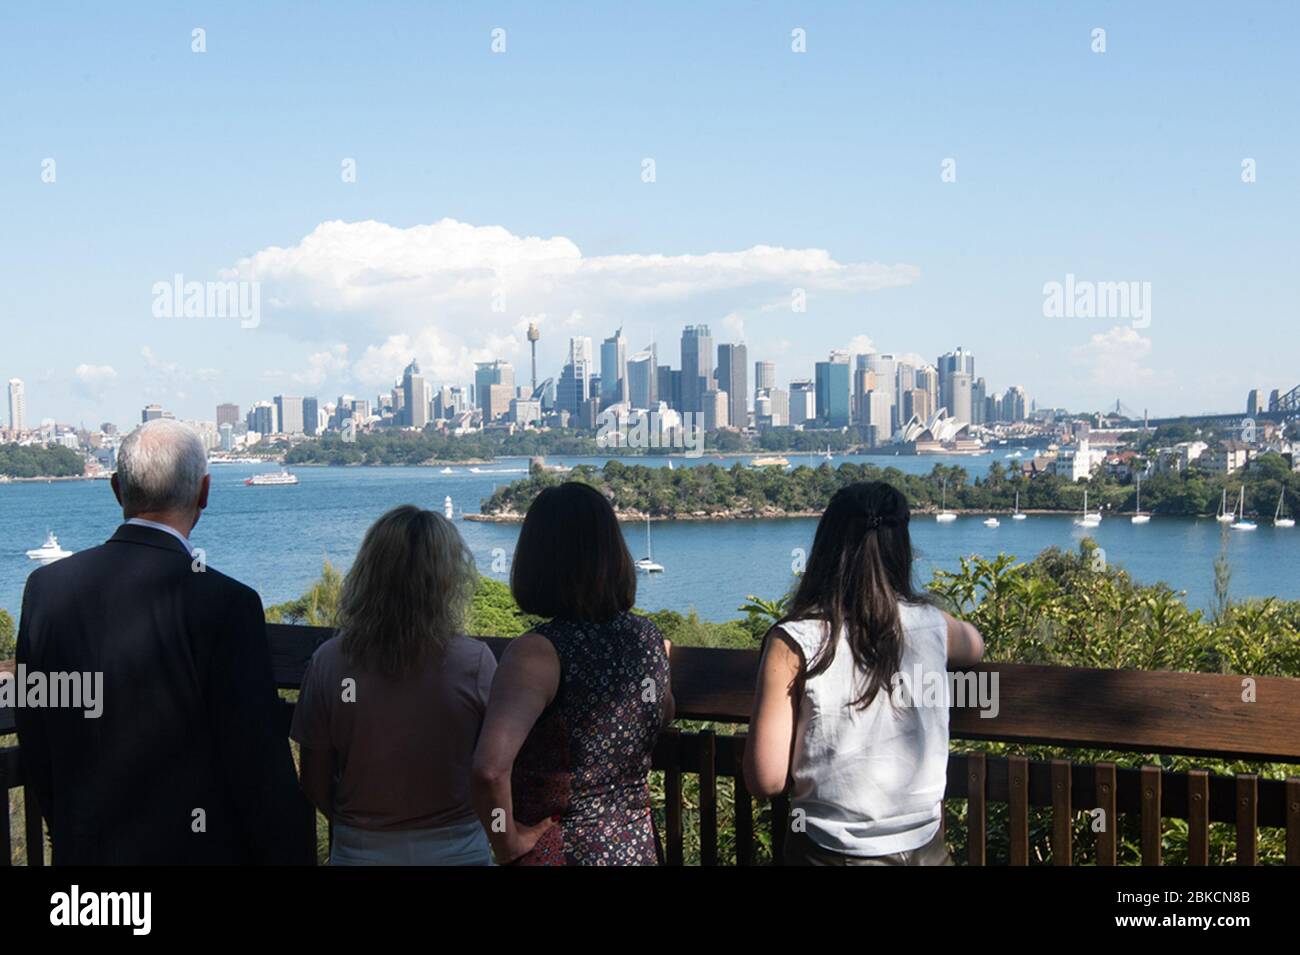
(391, 706)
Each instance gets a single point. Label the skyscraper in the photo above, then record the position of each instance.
(697, 366)
(288, 413)
(833, 390)
(310, 416)
(574, 387)
(227, 413)
(613, 369)
(261, 418)
(151, 413)
(764, 376)
(716, 408)
(733, 372)
(17, 405)
(803, 402)
(494, 387)
(415, 397)
(643, 379)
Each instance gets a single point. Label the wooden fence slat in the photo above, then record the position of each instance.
(671, 739)
(1151, 805)
(1018, 808)
(1107, 838)
(1293, 820)
(708, 799)
(1062, 814)
(976, 808)
(1198, 817)
(744, 807)
(1247, 819)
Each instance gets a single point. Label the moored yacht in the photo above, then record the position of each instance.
(1242, 524)
(1278, 519)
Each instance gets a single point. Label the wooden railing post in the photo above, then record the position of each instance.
(673, 851)
(1151, 830)
(1108, 837)
(1198, 817)
(1062, 814)
(708, 799)
(1292, 800)
(1247, 818)
(976, 808)
(1018, 808)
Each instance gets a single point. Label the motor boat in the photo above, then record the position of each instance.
(50, 551)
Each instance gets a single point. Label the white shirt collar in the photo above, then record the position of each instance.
(140, 522)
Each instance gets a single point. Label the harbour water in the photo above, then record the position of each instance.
(276, 538)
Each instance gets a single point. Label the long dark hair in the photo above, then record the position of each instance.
(571, 561)
(859, 570)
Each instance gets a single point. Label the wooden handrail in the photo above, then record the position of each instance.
(1146, 711)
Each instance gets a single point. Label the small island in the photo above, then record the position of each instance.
(713, 492)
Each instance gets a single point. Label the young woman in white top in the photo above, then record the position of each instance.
(851, 708)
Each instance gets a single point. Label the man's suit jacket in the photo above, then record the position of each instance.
(189, 761)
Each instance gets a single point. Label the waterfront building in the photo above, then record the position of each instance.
(17, 406)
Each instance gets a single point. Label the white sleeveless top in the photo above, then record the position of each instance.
(871, 781)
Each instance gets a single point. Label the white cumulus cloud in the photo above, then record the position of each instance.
(449, 293)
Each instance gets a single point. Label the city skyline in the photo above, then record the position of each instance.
(626, 198)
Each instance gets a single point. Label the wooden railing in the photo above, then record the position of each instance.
(1142, 712)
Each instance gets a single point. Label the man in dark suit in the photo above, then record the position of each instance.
(189, 760)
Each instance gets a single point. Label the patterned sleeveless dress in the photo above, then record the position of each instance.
(587, 757)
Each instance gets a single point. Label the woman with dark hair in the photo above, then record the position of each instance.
(560, 771)
(391, 706)
(845, 713)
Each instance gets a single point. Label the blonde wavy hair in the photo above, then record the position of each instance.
(407, 593)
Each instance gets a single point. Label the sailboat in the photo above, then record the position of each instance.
(1138, 517)
(1243, 524)
(945, 516)
(447, 509)
(1225, 516)
(1088, 520)
(647, 563)
(828, 456)
(1278, 519)
(1017, 515)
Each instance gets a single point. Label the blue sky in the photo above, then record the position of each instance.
(1117, 166)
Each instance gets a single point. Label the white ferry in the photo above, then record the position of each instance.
(272, 479)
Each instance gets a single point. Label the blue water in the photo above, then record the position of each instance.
(276, 538)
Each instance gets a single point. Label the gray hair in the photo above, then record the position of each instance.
(160, 467)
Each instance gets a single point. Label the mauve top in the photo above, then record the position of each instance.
(403, 749)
